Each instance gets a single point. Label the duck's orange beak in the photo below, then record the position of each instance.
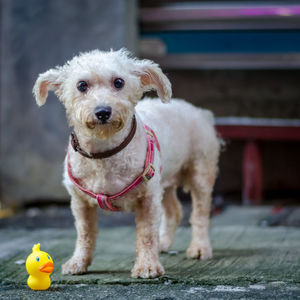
(47, 267)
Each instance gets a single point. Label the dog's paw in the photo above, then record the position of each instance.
(164, 243)
(199, 252)
(149, 269)
(75, 266)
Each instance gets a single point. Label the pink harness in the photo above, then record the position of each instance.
(103, 200)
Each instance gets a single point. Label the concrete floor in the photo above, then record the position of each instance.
(250, 261)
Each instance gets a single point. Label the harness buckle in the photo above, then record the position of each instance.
(101, 199)
(149, 132)
(146, 176)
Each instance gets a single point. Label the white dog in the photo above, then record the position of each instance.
(131, 155)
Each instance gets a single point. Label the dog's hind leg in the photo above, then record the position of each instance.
(202, 179)
(87, 228)
(171, 217)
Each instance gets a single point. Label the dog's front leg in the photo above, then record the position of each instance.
(87, 229)
(148, 212)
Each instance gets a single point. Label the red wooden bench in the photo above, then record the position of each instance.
(251, 131)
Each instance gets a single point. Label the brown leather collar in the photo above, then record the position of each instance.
(76, 146)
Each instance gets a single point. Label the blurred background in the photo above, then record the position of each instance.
(241, 59)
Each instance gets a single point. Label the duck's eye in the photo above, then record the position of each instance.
(37, 259)
(48, 257)
(82, 86)
(118, 83)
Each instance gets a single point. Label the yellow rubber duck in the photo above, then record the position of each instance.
(39, 265)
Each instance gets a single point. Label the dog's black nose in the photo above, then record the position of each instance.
(103, 113)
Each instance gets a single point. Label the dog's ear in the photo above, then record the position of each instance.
(48, 81)
(152, 78)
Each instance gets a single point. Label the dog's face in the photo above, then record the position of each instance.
(100, 89)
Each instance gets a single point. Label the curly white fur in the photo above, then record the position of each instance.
(189, 154)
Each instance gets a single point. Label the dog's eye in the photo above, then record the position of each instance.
(118, 83)
(82, 86)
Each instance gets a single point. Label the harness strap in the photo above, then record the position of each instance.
(104, 201)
